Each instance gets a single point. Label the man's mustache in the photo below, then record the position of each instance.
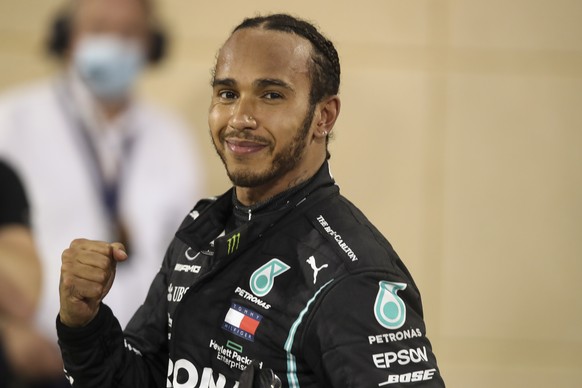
(243, 135)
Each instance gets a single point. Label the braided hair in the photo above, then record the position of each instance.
(325, 66)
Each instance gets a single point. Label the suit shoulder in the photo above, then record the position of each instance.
(353, 237)
(200, 206)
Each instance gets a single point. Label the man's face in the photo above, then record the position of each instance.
(127, 19)
(260, 117)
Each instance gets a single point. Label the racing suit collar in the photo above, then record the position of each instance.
(202, 232)
(242, 214)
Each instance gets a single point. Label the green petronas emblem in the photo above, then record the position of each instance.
(263, 278)
(389, 309)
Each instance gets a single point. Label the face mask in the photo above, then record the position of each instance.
(108, 65)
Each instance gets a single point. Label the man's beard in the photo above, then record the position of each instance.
(283, 162)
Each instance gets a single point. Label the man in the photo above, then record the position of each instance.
(280, 271)
(24, 354)
(96, 160)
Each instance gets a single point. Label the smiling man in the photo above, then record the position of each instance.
(281, 272)
(261, 116)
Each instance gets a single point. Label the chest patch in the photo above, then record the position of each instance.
(242, 321)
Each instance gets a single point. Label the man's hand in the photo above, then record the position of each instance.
(87, 274)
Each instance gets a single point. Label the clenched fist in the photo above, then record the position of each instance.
(87, 274)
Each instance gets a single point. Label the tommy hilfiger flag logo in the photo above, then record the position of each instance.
(242, 321)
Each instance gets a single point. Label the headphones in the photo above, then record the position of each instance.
(59, 39)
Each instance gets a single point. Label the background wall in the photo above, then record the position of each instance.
(460, 137)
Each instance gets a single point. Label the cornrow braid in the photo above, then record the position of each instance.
(325, 69)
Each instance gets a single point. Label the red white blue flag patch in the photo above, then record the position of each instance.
(242, 321)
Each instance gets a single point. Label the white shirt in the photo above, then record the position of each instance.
(161, 180)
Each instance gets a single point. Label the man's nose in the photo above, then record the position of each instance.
(242, 116)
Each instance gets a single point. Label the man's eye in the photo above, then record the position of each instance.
(273, 96)
(227, 95)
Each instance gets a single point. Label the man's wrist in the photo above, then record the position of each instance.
(66, 320)
(88, 332)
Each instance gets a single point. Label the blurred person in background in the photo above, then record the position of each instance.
(25, 356)
(96, 160)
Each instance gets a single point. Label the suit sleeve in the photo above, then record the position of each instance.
(367, 330)
(102, 355)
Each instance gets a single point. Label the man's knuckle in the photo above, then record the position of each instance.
(68, 281)
(101, 276)
(77, 242)
(98, 289)
(67, 255)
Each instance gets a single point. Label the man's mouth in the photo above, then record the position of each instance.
(242, 146)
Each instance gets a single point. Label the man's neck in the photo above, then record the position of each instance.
(248, 196)
(243, 213)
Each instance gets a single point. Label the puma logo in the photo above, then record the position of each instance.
(314, 267)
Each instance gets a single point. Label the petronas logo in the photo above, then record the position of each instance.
(263, 278)
(389, 309)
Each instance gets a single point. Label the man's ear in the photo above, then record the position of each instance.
(328, 111)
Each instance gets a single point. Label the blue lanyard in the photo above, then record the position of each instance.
(109, 190)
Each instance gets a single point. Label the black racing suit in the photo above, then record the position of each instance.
(311, 290)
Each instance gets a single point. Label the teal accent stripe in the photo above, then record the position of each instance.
(291, 363)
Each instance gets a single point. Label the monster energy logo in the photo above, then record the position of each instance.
(233, 243)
